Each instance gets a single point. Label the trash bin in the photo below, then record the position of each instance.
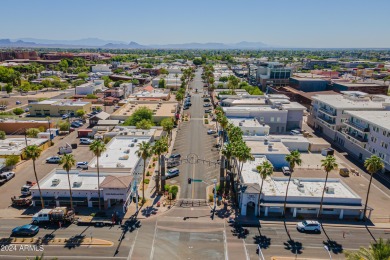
(74, 146)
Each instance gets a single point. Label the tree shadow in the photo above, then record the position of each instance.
(6, 241)
(263, 241)
(239, 231)
(332, 245)
(149, 210)
(74, 241)
(294, 246)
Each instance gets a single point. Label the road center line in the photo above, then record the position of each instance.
(154, 239)
(132, 246)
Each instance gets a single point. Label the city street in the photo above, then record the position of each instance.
(192, 139)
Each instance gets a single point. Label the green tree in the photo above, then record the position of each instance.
(242, 153)
(168, 124)
(82, 76)
(33, 152)
(233, 84)
(144, 152)
(98, 147)
(376, 251)
(179, 97)
(138, 115)
(67, 162)
(47, 83)
(135, 81)
(18, 111)
(2, 135)
(329, 164)
(223, 79)
(9, 88)
(144, 124)
(80, 113)
(197, 62)
(63, 125)
(32, 132)
(160, 147)
(164, 71)
(107, 81)
(373, 165)
(265, 170)
(11, 160)
(161, 83)
(63, 65)
(293, 159)
(91, 96)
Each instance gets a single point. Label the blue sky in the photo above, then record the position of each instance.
(299, 23)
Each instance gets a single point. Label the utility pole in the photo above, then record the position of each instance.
(222, 174)
(215, 193)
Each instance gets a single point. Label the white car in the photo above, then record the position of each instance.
(309, 225)
(7, 175)
(85, 141)
(211, 132)
(82, 165)
(295, 132)
(53, 159)
(286, 170)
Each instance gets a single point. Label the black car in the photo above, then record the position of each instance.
(186, 107)
(208, 111)
(26, 230)
(175, 156)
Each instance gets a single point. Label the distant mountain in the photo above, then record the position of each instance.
(99, 43)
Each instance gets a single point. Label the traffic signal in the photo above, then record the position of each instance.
(189, 180)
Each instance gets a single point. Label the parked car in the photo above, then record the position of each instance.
(211, 132)
(65, 116)
(286, 170)
(18, 102)
(7, 175)
(185, 107)
(85, 141)
(53, 159)
(26, 109)
(74, 125)
(82, 165)
(206, 100)
(309, 225)
(175, 156)
(208, 111)
(172, 163)
(207, 105)
(295, 132)
(172, 173)
(25, 230)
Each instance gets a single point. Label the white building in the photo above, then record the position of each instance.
(101, 68)
(366, 133)
(115, 189)
(16, 146)
(304, 195)
(250, 126)
(90, 87)
(328, 111)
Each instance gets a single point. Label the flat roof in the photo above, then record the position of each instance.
(340, 101)
(263, 148)
(120, 152)
(61, 102)
(378, 118)
(161, 108)
(245, 122)
(15, 146)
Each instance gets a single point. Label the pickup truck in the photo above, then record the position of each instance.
(25, 190)
(53, 215)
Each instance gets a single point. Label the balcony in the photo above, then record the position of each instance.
(328, 112)
(326, 120)
(364, 129)
(357, 139)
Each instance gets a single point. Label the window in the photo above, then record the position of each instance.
(272, 119)
(278, 119)
(261, 119)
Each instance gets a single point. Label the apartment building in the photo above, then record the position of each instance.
(273, 74)
(328, 112)
(367, 133)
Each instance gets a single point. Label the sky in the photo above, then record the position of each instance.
(284, 23)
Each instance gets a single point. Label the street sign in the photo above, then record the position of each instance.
(195, 180)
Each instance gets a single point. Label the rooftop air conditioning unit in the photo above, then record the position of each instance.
(301, 187)
(55, 182)
(329, 190)
(296, 181)
(77, 184)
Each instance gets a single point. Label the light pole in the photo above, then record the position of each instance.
(327, 250)
(215, 193)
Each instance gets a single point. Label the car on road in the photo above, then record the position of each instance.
(186, 107)
(53, 159)
(211, 132)
(206, 100)
(172, 173)
(207, 105)
(188, 103)
(172, 163)
(82, 165)
(175, 156)
(18, 102)
(286, 170)
(25, 230)
(208, 111)
(85, 141)
(7, 175)
(309, 226)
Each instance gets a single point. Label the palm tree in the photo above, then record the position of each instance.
(144, 151)
(376, 251)
(98, 147)
(33, 152)
(160, 147)
(294, 158)
(329, 164)
(265, 169)
(67, 162)
(168, 125)
(223, 123)
(242, 153)
(373, 165)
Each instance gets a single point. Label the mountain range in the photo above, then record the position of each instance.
(99, 43)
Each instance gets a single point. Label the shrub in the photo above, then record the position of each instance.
(2, 135)
(205, 116)
(148, 173)
(166, 187)
(206, 121)
(211, 197)
(32, 132)
(146, 181)
(18, 111)
(174, 189)
(11, 160)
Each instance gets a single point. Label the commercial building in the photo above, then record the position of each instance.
(115, 188)
(101, 68)
(16, 146)
(19, 127)
(308, 84)
(58, 107)
(272, 74)
(370, 88)
(151, 93)
(304, 195)
(250, 126)
(90, 87)
(328, 111)
(366, 133)
(161, 109)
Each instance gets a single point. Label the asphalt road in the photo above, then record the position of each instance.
(192, 139)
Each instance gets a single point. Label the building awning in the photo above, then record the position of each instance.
(74, 199)
(44, 198)
(314, 206)
(96, 199)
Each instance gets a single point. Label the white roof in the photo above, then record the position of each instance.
(120, 152)
(245, 122)
(378, 118)
(342, 101)
(15, 146)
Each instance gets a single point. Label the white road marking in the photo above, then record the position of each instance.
(132, 246)
(154, 239)
(224, 241)
(63, 256)
(246, 251)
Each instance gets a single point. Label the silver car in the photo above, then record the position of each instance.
(309, 225)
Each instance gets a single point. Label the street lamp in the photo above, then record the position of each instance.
(327, 250)
(215, 193)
